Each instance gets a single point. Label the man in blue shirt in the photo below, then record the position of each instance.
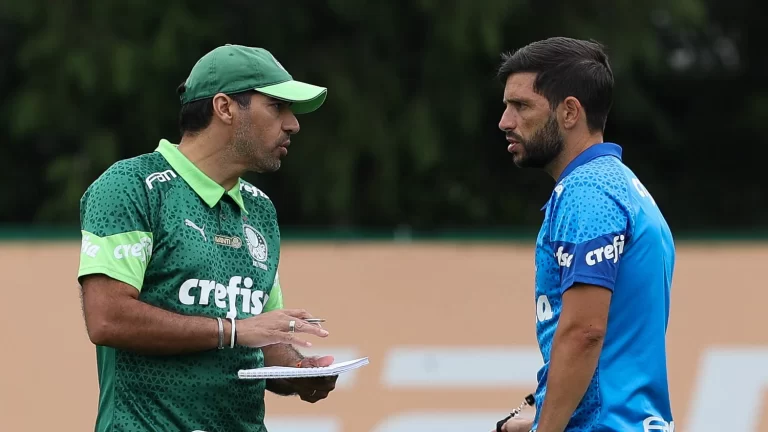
(604, 255)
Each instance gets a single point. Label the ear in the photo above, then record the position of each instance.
(571, 112)
(222, 108)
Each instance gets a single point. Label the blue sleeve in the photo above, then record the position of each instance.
(590, 230)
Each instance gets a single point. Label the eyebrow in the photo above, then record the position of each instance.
(518, 100)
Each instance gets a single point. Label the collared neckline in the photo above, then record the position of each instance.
(596, 151)
(593, 152)
(210, 191)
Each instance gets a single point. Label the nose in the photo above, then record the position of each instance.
(508, 121)
(291, 123)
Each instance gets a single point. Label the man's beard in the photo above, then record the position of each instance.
(260, 158)
(543, 147)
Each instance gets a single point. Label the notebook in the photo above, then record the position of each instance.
(271, 372)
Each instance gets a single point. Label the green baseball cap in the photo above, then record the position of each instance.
(236, 68)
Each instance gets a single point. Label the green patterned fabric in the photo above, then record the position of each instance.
(162, 226)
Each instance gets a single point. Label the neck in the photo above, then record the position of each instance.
(209, 154)
(570, 151)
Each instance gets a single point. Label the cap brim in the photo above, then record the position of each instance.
(305, 97)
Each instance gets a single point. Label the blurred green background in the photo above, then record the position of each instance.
(408, 138)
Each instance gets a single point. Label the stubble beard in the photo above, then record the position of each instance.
(259, 158)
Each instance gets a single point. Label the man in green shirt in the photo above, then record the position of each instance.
(179, 259)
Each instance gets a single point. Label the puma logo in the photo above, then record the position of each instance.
(192, 225)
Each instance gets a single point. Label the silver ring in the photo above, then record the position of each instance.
(292, 326)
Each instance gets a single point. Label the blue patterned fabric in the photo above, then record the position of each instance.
(602, 227)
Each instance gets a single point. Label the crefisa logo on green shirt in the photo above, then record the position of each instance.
(257, 246)
(89, 248)
(141, 250)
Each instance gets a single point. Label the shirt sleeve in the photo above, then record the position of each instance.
(117, 238)
(590, 231)
(275, 300)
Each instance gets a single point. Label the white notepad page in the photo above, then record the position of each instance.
(294, 372)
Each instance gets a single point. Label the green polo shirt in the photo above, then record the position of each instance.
(159, 224)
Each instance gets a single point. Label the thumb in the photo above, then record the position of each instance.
(317, 361)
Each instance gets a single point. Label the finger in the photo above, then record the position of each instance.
(319, 383)
(325, 383)
(326, 386)
(297, 313)
(317, 361)
(290, 338)
(319, 394)
(304, 327)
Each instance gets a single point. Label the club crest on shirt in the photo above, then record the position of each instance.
(257, 246)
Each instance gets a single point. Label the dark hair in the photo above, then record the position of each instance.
(196, 115)
(567, 67)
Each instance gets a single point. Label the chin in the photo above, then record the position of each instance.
(520, 161)
(264, 169)
(271, 167)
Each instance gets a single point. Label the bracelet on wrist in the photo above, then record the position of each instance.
(221, 333)
(233, 335)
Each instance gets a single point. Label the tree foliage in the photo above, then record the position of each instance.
(408, 135)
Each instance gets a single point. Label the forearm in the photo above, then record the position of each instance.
(573, 360)
(281, 355)
(136, 326)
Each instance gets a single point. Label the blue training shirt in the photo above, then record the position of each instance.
(602, 227)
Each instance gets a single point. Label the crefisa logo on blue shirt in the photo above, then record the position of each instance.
(564, 259)
(607, 252)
